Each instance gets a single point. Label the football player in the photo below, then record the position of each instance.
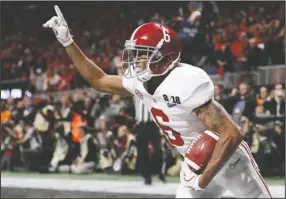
(180, 99)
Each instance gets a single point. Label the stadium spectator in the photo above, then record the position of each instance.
(105, 140)
(87, 160)
(60, 154)
(43, 123)
(52, 80)
(65, 110)
(10, 103)
(223, 58)
(172, 159)
(244, 104)
(256, 54)
(127, 160)
(87, 108)
(116, 62)
(38, 79)
(276, 105)
(8, 145)
(32, 145)
(263, 96)
(225, 100)
(5, 113)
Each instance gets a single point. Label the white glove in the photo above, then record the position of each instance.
(188, 178)
(60, 28)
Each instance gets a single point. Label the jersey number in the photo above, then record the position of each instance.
(166, 35)
(173, 136)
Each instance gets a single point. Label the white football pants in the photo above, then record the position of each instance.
(240, 175)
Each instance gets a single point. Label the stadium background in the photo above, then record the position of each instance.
(240, 44)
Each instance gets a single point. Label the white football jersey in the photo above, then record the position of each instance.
(184, 89)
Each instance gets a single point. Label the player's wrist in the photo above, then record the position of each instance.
(67, 43)
(67, 40)
(202, 183)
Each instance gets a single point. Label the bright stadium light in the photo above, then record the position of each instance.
(5, 94)
(16, 93)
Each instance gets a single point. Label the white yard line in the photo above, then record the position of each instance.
(109, 186)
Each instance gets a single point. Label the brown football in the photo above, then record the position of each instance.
(200, 151)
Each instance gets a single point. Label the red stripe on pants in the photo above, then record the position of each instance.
(248, 153)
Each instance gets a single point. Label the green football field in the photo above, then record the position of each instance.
(102, 176)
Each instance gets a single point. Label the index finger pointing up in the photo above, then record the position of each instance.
(59, 13)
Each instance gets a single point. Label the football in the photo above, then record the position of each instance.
(200, 151)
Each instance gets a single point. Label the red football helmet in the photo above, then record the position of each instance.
(156, 45)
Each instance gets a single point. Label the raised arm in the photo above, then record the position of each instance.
(214, 116)
(94, 74)
(89, 70)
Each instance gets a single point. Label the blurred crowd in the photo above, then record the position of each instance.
(82, 133)
(79, 133)
(219, 37)
(260, 114)
(233, 37)
(90, 132)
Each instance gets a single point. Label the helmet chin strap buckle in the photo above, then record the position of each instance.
(145, 76)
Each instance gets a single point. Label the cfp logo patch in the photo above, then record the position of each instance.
(139, 94)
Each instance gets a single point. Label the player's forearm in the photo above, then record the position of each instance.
(214, 116)
(89, 70)
(224, 148)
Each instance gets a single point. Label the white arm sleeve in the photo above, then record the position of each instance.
(128, 84)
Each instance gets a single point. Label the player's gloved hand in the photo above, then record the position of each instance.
(188, 178)
(60, 28)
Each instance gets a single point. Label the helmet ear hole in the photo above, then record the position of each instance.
(165, 59)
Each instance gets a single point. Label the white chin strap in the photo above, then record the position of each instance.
(145, 76)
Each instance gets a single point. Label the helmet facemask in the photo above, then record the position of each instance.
(152, 61)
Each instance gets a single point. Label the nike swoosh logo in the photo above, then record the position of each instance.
(171, 105)
(234, 164)
(188, 179)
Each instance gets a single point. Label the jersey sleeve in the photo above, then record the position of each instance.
(201, 91)
(128, 84)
